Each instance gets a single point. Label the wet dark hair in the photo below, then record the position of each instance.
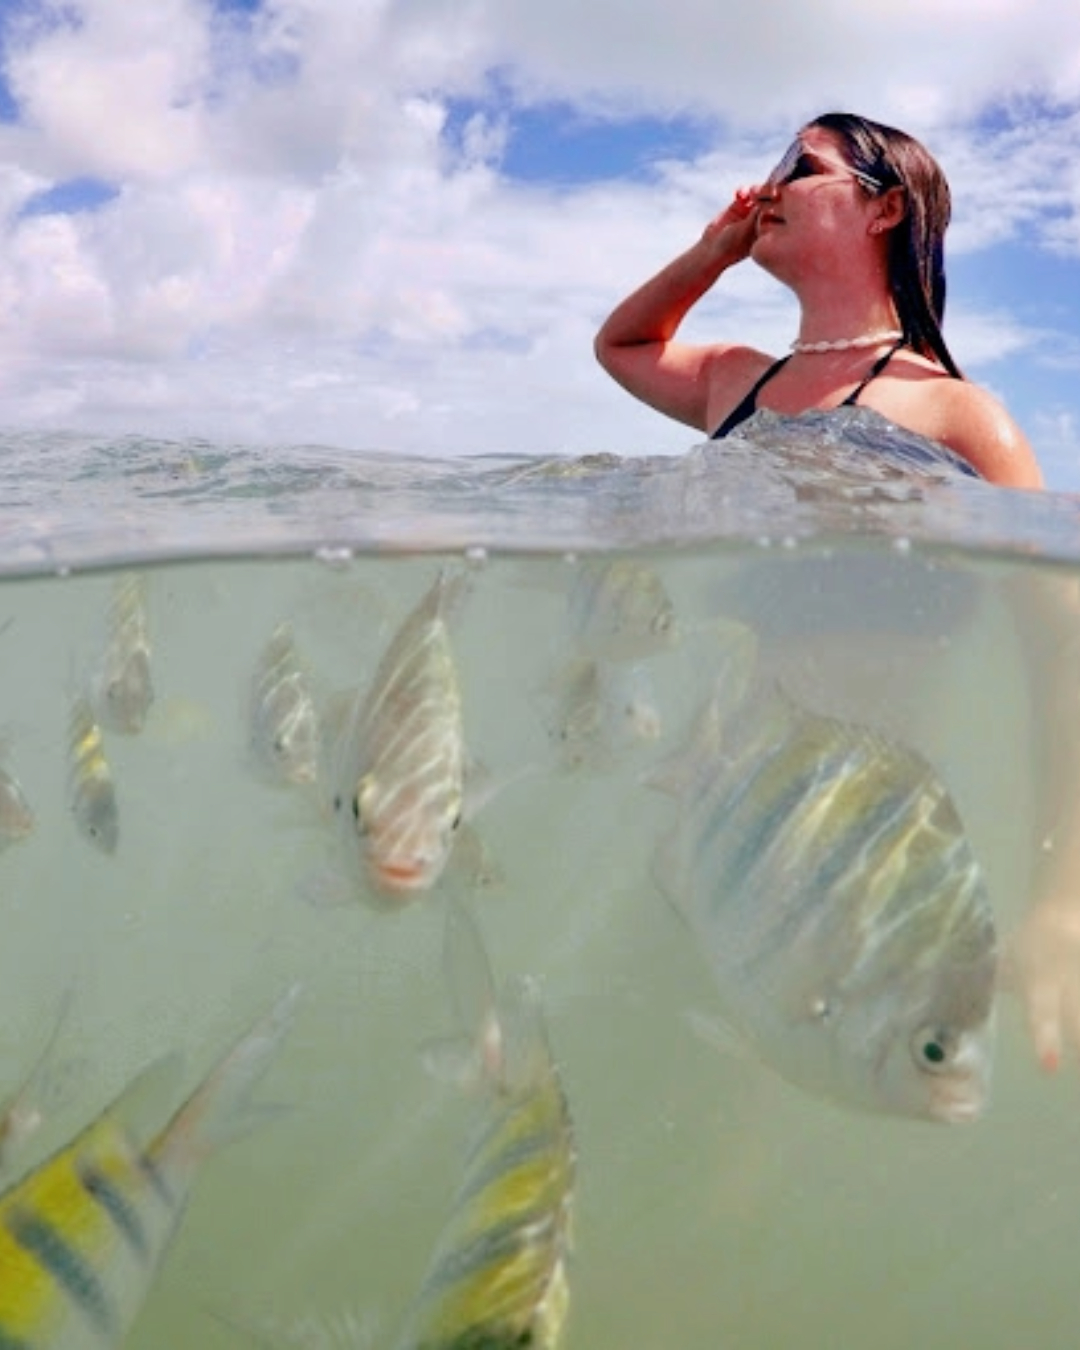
(917, 243)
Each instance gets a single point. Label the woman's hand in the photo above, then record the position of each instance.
(733, 231)
(1041, 965)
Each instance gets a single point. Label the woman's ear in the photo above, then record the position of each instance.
(891, 208)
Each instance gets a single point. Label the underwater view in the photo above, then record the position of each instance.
(474, 904)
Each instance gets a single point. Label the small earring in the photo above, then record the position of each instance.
(876, 227)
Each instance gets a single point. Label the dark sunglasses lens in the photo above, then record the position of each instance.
(787, 165)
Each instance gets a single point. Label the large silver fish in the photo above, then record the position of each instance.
(826, 874)
(399, 758)
(123, 689)
(91, 788)
(498, 1276)
(283, 723)
(83, 1234)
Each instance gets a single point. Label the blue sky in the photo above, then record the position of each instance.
(393, 224)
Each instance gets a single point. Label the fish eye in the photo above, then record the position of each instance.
(358, 815)
(931, 1048)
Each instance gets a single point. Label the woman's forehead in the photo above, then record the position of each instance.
(820, 138)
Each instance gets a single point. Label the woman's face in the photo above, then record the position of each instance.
(814, 208)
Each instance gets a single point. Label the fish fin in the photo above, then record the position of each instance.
(482, 786)
(220, 1109)
(43, 1088)
(448, 593)
(718, 1034)
(680, 774)
(346, 1329)
(139, 1108)
(471, 865)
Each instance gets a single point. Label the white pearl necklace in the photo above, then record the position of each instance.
(844, 344)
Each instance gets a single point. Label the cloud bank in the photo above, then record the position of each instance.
(297, 220)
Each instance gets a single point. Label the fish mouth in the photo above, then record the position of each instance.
(957, 1103)
(402, 878)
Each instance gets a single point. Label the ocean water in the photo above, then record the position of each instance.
(716, 1205)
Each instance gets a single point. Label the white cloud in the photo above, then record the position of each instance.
(298, 252)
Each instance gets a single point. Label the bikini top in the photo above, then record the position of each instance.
(748, 406)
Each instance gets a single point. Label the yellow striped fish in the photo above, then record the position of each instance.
(82, 1235)
(91, 790)
(826, 873)
(498, 1275)
(399, 775)
(123, 689)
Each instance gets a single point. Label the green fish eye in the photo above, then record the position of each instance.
(931, 1047)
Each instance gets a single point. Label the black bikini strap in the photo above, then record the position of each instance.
(874, 371)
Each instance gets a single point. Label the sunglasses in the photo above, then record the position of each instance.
(798, 162)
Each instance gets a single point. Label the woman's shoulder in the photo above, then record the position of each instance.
(962, 415)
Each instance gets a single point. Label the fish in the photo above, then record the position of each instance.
(83, 1234)
(825, 873)
(399, 761)
(123, 689)
(91, 788)
(283, 720)
(17, 819)
(619, 610)
(598, 711)
(498, 1273)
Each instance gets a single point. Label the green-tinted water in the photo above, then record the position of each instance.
(716, 1205)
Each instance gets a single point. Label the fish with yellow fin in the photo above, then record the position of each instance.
(83, 1234)
(498, 1275)
(123, 687)
(91, 786)
(825, 871)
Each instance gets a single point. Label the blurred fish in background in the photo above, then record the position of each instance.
(91, 789)
(122, 688)
(283, 721)
(600, 701)
(17, 819)
(826, 874)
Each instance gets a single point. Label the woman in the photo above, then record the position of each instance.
(853, 219)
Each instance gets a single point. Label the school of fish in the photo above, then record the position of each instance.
(822, 870)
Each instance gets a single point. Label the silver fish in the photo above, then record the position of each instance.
(91, 790)
(498, 1275)
(283, 723)
(82, 1235)
(399, 762)
(600, 710)
(619, 610)
(17, 820)
(123, 689)
(826, 873)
